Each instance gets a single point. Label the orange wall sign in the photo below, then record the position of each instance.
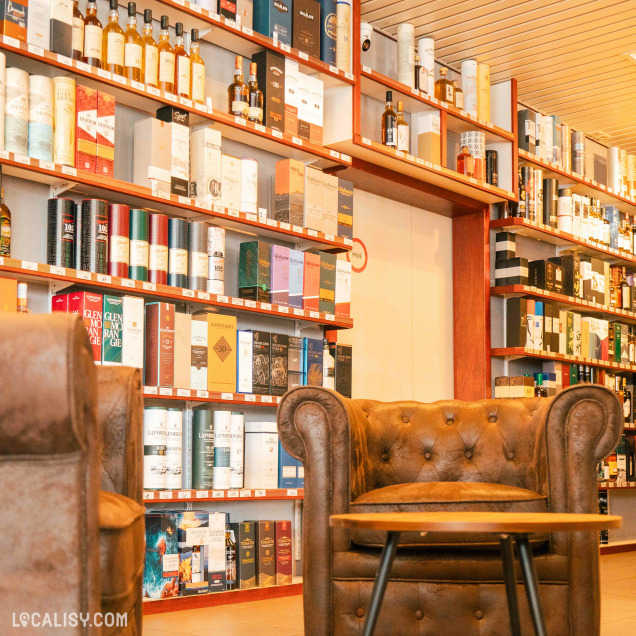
(358, 256)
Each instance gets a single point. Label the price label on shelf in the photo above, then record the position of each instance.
(184, 101)
(297, 228)
(185, 200)
(249, 397)
(366, 69)
(104, 73)
(245, 493)
(313, 233)
(82, 66)
(285, 226)
(120, 79)
(165, 391)
(203, 295)
(227, 396)
(149, 286)
(250, 303)
(188, 293)
(297, 141)
(202, 394)
(314, 314)
(47, 165)
(165, 495)
(234, 213)
(72, 172)
(346, 158)
(333, 69)
(170, 97)
(240, 121)
(266, 306)
(259, 493)
(184, 494)
(127, 282)
(222, 299)
(298, 312)
(285, 47)
(366, 141)
(150, 390)
(36, 50)
(183, 393)
(104, 278)
(292, 492)
(349, 76)
(335, 154)
(4, 154)
(138, 85)
(303, 56)
(472, 180)
(247, 31)
(22, 159)
(330, 317)
(251, 217)
(62, 59)
(260, 128)
(201, 107)
(202, 494)
(30, 266)
(218, 494)
(330, 237)
(149, 496)
(80, 273)
(58, 271)
(266, 399)
(238, 302)
(283, 310)
(277, 133)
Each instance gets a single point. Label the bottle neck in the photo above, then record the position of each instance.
(389, 105)
(113, 15)
(179, 41)
(194, 48)
(253, 82)
(238, 75)
(132, 22)
(91, 9)
(164, 35)
(148, 28)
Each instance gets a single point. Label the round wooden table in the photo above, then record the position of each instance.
(509, 525)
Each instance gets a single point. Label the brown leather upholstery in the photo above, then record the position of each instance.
(55, 448)
(493, 454)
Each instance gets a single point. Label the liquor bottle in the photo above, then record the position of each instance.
(133, 46)
(166, 58)
(403, 136)
(444, 90)
(113, 42)
(92, 36)
(181, 64)
(631, 341)
(78, 33)
(466, 162)
(150, 53)
(22, 299)
(255, 109)
(389, 123)
(230, 559)
(237, 92)
(5, 225)
(459, 95)
(633, 230)
(539, 389)
(626, 297)
(606, 231)
(197, 70)
(421, 76)
(627, 402)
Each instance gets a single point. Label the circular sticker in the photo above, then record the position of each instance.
(358, 256)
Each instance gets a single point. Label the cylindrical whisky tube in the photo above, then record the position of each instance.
(249, 186)
(177, 252)
(537, 181)
(64, 121)
(343, 35)
(550, 201)
(155, 438)
(202, 450)
(631, 175)
(61, 233)
(492, 167)
(78, 236)
(237, 429)
(197, 255)
(216, 241)
(222, 441)
(565, 211)
(426, 51)
(158, 249)
(16, 113)
(216, 287)
(174, 456)
(216, 268)
(3, 93)
(469, 86)
(614, 176)
(138, 235)
(526, 192)
(566, 147)
(95, 236)
(406, 54)
(483, 91)
(118, 241)
(624, 170)
(41, 117)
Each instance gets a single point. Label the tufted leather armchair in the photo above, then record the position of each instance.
(72, 523)
(530, 455)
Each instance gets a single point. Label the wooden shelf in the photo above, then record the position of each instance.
(26, 270)
(214, 397)
(159, 606)
(514, 353)
(612, 485)
(580, 185)
(584, 305)
(614, 547)
(278, 494)
(131, 194)
(375, 84)
(542, 232)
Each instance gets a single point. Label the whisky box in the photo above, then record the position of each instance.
(539, 149)
(255, 271)
(287, 468)
(105, 135)
(330, 204)
(537, 333)
(556, 139)
(273, 18)
(328, 31)
(327, 294)
(249, 186)
(312, 361)
(280, 275)
(527, 123)
(343, 356)
(296, 267)
(159, 358)
(199, 353)
(306, 26)
(304, 107)
(132, 338)
(9, 297)
(576, 326)
(311, 281)
(279, 362)
(152, 152)
(571, 272)
(502, 387)
(216, 552)
(345, 209)
(61, 33)
(265, 553)
(94, 236)
(13, 19)
(517, 330)
(89, 307)
(221, 353)
(284, 557)
(270, 74)
(112, 327)
(292, 96)
(161, 565)
(194, 537)
(237, 433)
(316, 120)
(289, 191)
(261, 455)
(202, 449)
(177, 252)
(556, 330)
(313, 206)
(429, 138)
(245, 536)
(512, 271)
(343, 288)
(39, 23)
(294, 362)
(245, 13)
(227, 9)
(244, 363)
(60, 232)
(261, 352)
(206, 166)
(521, 386)
(222, 441)
(178, 121)
(118, 241)
(505, 246)
(182, 349)
(86, 134)
(231, 182)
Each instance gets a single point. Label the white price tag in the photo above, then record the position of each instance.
(297, 228)
(272, 222)
(303, 56)
(250, 303)
(184, 494)
(120, 79)
(330, 237)
(285, 226)
(283, 310)
(203, 394)
(266, 306)
(11, 41)
(153, 91)
(104, 278)
(251, 217)
(266, 399)
(335, 154)
(165, 495)
(247, 31)
(349, 76)
(202, 494)
(138, 85)
(82, 66)
(165, 391)
(149, 496)
(292, 492)
(227, 396)
(472, 180)
(47, 165)
(22, 159)
(333, 69)
(366, 69)
(36, 50)
(201, 107)
(218, 494)
(72, 172)
(149, 286)
(127, 282)
(185, 200)
(285, 47)
(30, 266)
(298, 312)
(297, 141)
(58, 271)
(184, 101)
(170, 97)
(330, 317)
(249, 397)
(203, 295)
(238, 302)
(62, 59)
(410, 157)
(259, 493)
(234, 213)
(222, 299)
(277, 133)
(104, 73)
(260, 128)
(313, 233)
(183, 393)
(366, 141)
(188, 293)
(245, 493)
(208, 101)
(314, 314)
(150, 390)
(240, 121)
(80, 273)
(345, 158)
(232, 494)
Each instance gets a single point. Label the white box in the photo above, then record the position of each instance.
(249, 186)
(180, 159)
(261, 455)
(206, 164)
(38, 23)
(343, 287)
(330, 204)
(317, 110)
(186, 450)
(152, 150)
(231, 182)
(313, 199)
(577, 334)
(292, 96)
(245, 348)
(221, 471)
(237, 431)
(132, 338)
(199, 360)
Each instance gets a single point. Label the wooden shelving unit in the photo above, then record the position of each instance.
(211, 397)
(279, 494)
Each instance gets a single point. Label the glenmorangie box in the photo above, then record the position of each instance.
(327, 303)
(266, 553)
(270, 74)
(279, 361)
(245, 536)
(112, 328)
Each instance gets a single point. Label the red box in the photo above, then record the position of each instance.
(105, 135)
(60, 303)
(311, 281)
(86, 129)
(283, 553)
(89, 307)
(159, 359)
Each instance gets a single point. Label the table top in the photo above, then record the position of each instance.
(497, 522)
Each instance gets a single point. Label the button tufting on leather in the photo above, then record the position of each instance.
(450, 421)
(469, 454)
(419, 615)
(359, 612)
(511, 455)
(492, 418)
(428, 455)
(479, 615)
(385, 457)
(405, 419)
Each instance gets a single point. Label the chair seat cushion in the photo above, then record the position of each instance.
(438, 496)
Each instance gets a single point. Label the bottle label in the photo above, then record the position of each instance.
(449, 93)
(255, 113)
(198, 82)
(138, 253)
(166, 67)
(152, 65)
(627, 407)
(459, 100)
(93, 41)
(178, 261)
(158, 258)
(78, 35)
(119, 249)
(403, 138)
(239, 108)
(183, 76)
(422, 79)
(132, 55)
(115, 49)
(391, 136)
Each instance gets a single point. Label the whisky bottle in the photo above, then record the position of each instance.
(113, 42)
(389, 123)
(166, 58)
(459, 95)
(132, 46)
(237, 91)
(77, 45)
(92, 36)
(631, 341)
(150, 53)
(5, 225)
(255, 109)
(421, 76)
(182, 64)
(197, 70)
(22, 299)
(606, 231)
(230, 559)
(626, 297)
(466, 162)
(444, 88)
(539, 389)
(627, 402)
(403, 136)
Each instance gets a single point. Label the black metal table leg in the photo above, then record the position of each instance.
(510, 579)
(530, 579)
(381, 579)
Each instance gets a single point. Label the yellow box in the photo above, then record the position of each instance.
(221, 353)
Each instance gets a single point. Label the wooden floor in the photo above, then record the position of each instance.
(284, 616)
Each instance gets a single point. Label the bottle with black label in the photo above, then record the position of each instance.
(389, 123)
(255, 110)
(238, 92)
(421, 75)
(230, 559)
(5, 224)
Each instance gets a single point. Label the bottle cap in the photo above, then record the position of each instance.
(22, 290)
(400, 105)
(114, 5)
(147, 15)
(389, 96)
(178, 28)
(238, 64)
(465, 149)
(164, 22)
(442, 71)
(194, 35)
(132, 9)
(252, 68)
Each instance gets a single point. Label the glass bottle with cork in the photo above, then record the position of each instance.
(255, 109)
(458, 95)
(389, 123)
(626, 297)
(197, 70)
(22, 299)
(93, 34)
(539, 389)
(444, 90)
(113, 42)
(150, 53)
(133, 46)
(421, 76)
(466, 162)
(237, 92)
(77, 46)
(166, 57)
(403, 132)
(181, 64)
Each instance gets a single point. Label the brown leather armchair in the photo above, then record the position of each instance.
(495, 455)
(71, 523)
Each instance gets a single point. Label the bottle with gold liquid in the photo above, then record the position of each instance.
(93, 33)
(5, 225)
(458, 94)
(389, 123)
(197, 70)
(255, 109)
(133, 46)
(238, 92)
(78, 33)
(444, 87)
(403, 135)
(22, 299)
(181, 64)
(150, 53)
(113, 42)
(166, 58)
